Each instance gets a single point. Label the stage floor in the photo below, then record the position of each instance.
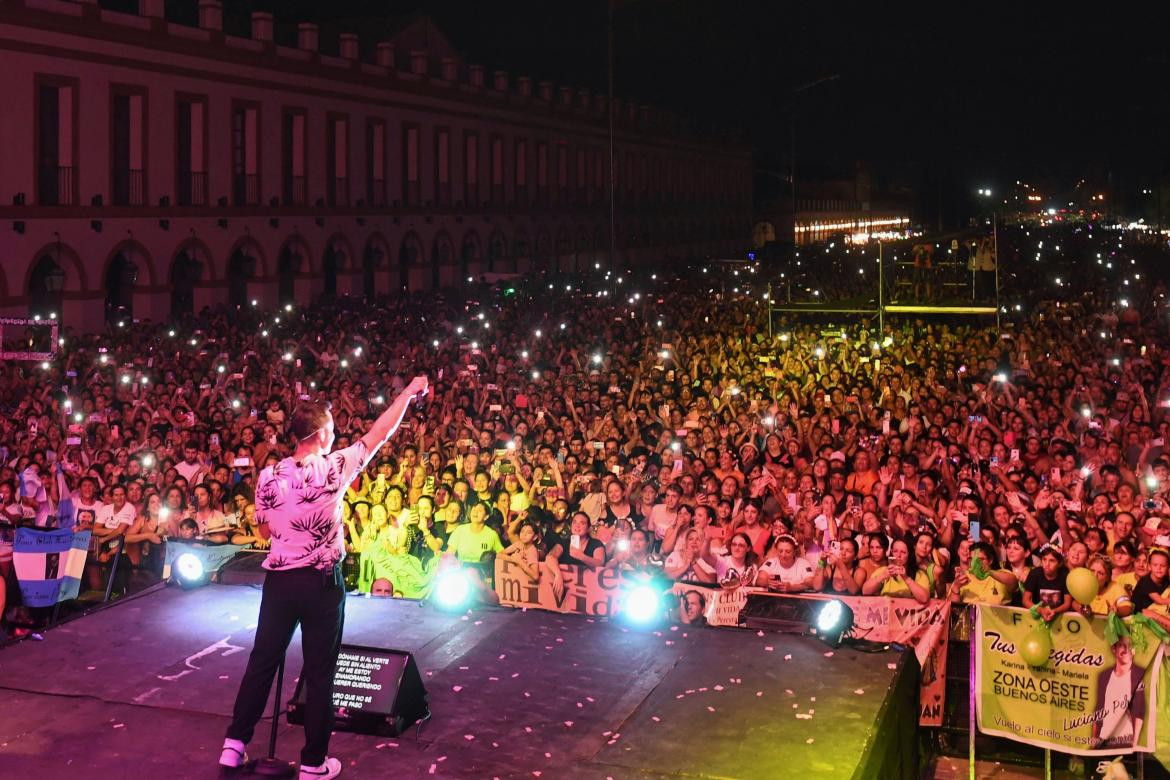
(144, 689)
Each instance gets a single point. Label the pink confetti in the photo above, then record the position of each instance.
(590, 699)
(829, 654)
(119, 725)
(860, 692)
(568, 724)
(548, 755)
(503, 656)
(674, 628)
(560, 639)
(769, 649)
(223, 677)
(759, 693)
(669, 642)
(710, 709)
(91, 668)
(580, 705)
(527, 729)
(891, 666)
(527, 695)
(456, 688)
(515, 675)
(606, 733)
(536, 773)
(655, 718)
(702, 690)
(788, 657)
(759, 633)
(679, 696)
(464, 668)
(808, 741)
(435, 766)
(812, 698)
(495, 744)
(803, 716)
(469, 737)
(790, 692)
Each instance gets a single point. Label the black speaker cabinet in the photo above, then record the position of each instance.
(375, 691)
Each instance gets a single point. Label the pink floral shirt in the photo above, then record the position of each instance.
(301, 503)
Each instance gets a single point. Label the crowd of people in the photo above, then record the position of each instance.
(648, 423)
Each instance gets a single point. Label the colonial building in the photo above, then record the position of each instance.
(149, 168)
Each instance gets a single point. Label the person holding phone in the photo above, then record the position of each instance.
(900, 577)
(300, 499)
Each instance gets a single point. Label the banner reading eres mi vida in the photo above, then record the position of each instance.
(1088, 698)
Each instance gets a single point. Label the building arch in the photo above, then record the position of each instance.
(53, 271)
(497, 251)
(337, 257)
(121, 275)
(522, 248)
(375, 258)
(411, 254)
(245, 263)
(442, 257)
(294, 259)
(470, 253)
(190, 264)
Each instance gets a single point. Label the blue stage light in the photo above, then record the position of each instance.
(642, 604)
(189, 570)
(452, 589)
(834, 621)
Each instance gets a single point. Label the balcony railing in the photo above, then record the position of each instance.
(295, 191)
(56, 185)
(339, 191)
(129, 187)
(192, 189)
(246, 189)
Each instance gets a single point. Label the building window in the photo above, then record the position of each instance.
(191, 151)
(542, 172)
(562, 172)
(411, 194)
(582, 177)
(128, 146)
(294, 157)
(471, 169)
(497, 171)
(56, 141)
(376, 162)
(337, 160)
(443, 166)
(521, 168)
(245, 154)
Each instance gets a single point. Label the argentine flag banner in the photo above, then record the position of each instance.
(49, 564)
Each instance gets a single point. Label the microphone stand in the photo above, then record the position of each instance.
(271, 766)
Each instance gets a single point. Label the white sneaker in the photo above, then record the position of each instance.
(330, 769)
(233, 755)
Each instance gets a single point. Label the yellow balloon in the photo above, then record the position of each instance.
(1082, 585)
(1036, 647)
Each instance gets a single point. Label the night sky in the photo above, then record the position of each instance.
(938, 104)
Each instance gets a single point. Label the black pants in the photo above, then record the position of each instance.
(316, 601)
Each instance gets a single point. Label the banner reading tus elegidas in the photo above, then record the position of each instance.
(1089, 697)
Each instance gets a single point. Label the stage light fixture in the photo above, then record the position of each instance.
(642, 604)
(189, 571)
(452, 590)
(834, 622)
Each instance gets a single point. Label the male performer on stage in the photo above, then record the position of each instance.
(298, 506)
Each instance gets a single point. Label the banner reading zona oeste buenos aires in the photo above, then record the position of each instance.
(1089, 697)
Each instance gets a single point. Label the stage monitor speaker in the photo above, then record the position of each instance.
(375, 691)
